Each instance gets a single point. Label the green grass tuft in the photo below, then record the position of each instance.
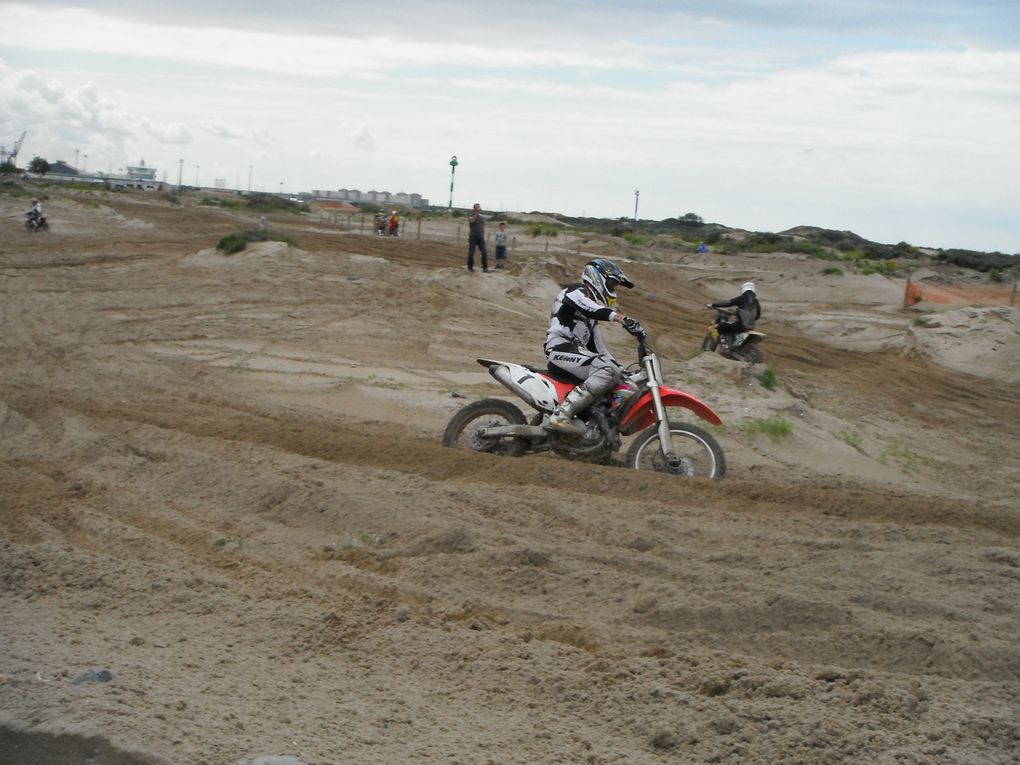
(774, 427)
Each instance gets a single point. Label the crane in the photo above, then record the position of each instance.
(10, 156)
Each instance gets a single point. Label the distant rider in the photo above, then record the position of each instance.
(574, 343)
(748, 311)
(36, 212)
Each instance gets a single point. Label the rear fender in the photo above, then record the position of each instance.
(641, 414)
(537, 390)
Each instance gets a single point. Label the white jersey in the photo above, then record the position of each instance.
(575, 320)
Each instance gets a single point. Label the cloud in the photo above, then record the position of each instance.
(362, 138)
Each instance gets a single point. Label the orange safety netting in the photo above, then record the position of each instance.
(974, 295)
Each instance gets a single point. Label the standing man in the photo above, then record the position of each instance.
(476, 238)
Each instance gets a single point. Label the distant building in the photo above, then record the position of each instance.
(375, 197)
(140, 172)
(61, 168)
(138, 176)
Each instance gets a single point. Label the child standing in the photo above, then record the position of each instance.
(500, 241)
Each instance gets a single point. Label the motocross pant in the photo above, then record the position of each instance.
(599, 371)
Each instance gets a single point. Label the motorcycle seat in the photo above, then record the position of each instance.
(558, 374)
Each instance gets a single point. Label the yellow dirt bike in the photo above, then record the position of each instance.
(740, 346)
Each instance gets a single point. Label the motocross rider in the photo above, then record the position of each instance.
(574, 344)
(748, 311)
(36, 212)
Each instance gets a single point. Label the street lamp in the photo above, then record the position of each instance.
(636, 195)
(453, 170)
(196, 176)
(180, 173)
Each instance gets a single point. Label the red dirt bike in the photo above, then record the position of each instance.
(742, 346)
(637, 406)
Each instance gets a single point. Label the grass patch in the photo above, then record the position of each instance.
(833, 271)
(236, 242)
(884, 267)
(904, 458)
(922, 321)
(774, 427)
(542, 229)
(853, 439)
(636, 239)
(768, 379)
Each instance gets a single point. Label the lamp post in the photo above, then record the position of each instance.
(85, 166)
(180, 173)
(636, 195)
(453, 170)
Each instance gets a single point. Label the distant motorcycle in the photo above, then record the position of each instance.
(742, 346)
(36, 222)
(637, 406)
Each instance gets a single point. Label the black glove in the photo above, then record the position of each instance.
(633, 326)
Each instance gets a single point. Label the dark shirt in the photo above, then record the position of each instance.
(748, 310)
(476, 225)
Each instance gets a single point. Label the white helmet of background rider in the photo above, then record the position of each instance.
(747, 287)
(602, 276)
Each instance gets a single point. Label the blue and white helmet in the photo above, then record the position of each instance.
(602, 276)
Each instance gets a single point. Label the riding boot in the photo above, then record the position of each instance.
(563, 417)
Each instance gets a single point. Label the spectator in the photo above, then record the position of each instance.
(393, 224)
(500, 240)
(476, 238)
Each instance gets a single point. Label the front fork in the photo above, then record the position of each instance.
(654, 373)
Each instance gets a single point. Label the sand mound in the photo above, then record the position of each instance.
(229, 532)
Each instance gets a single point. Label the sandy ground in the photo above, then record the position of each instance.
(229, 533)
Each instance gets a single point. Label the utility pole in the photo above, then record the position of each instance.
(453, 170)
(196, 176)
(249, 179)
(636, 195)
(180, 174)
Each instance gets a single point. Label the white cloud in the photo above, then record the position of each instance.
(709, 116)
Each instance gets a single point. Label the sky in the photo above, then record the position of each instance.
(897, 120)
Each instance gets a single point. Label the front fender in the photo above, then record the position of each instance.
(641, 413)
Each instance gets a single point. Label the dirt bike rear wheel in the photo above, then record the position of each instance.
(698, 453)
(464, 429)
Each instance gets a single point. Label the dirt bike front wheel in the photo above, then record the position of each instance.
(708, 344)
(696, 452)
(466, 428)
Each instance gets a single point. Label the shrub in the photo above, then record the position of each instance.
(234, 243)
(833, 271)
(541, 229)
(768, 379)
(636, 239)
